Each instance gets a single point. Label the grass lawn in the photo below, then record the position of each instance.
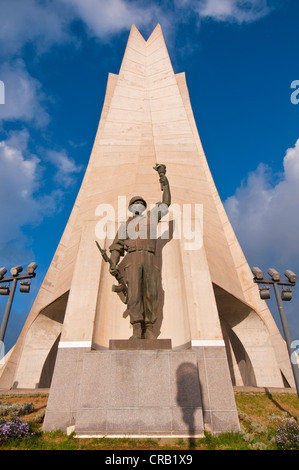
(260, 415)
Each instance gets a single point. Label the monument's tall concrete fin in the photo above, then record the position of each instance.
(207, 296)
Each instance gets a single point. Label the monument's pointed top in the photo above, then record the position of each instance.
(134, 32)
(156, 32)
(138, 49)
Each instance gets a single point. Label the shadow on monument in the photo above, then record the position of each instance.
(161, 242)
(189, 397)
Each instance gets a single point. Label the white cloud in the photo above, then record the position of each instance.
(39, 23)
(106, 18)
(264, 214)
(45, 23)
(66, 167)
(20, 180)
(234, 11)
(25, 201)
(23, 95)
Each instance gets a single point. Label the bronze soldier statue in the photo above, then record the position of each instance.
(138, 239)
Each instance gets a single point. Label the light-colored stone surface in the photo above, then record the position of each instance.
(151, 393)
(147, 118)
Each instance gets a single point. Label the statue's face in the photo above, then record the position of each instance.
(137, 208)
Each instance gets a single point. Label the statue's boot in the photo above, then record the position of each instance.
(137, 331)
(149, 333)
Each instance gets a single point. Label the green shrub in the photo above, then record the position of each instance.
(258, 446)
(39, 418)
(16, 409)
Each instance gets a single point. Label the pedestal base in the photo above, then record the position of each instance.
(144, 393)
(139, 344)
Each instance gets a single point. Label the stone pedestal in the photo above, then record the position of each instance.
(144, 393)
(137, 344)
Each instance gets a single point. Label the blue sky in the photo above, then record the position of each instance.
(240, 59)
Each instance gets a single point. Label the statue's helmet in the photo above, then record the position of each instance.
(139, 199)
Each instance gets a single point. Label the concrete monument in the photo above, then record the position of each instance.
(202, 299)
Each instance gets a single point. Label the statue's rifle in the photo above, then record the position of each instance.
(121, 287)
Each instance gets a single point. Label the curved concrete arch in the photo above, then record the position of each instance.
(40, 337)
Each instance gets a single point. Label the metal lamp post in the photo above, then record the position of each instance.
(11, 289)
(285, 295)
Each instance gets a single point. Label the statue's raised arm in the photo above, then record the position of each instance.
(161, 169)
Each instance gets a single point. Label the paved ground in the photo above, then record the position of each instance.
(36, 391)
(24, 391)
(264, 390)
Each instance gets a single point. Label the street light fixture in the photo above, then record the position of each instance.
(285, 295)
(31, 268)
(4, 290)
(274, 274)
(16, 270)
(292, 277)
(258, 273)
(265, 292)
(25, 287)
(16, 275)
(3, 271)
